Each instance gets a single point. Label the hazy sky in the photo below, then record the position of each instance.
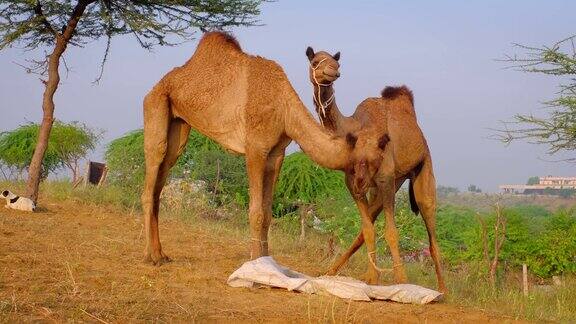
(445, 51)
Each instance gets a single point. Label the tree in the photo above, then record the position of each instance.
(533, 181)
(68, 143)
(558, 129)
(445, 191)
(474, 188)
(57, 24)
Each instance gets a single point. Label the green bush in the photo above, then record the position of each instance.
(68, 143)
(545, 242)
(553, 252)
(223, 173)
(302, 181)
(203, 159)
(125, 160)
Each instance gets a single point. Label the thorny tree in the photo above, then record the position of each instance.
(558, 129)
(56, 24)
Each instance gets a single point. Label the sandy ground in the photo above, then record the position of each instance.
(73, 262)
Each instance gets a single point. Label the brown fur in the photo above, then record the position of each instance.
(247, 105)
(221, 38)
(405, 157)
(392, 93)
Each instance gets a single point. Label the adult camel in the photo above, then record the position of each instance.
(247, 105)
(411, 161)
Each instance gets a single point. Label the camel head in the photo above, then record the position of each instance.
(324, 68)
(367, 152)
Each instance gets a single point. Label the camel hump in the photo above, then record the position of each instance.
(392, 93)
(219, 38)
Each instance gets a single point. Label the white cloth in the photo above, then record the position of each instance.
(265, 271)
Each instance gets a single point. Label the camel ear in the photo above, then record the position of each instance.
(351, 139)
(383, 141)
(310, 53)
(336, 56)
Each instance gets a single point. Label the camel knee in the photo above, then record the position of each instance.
(257, 220)
(256, 216)
(427, 206)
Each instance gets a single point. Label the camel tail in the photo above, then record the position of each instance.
(413, 204)
(392, 93)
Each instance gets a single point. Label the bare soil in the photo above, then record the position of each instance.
(74, 262)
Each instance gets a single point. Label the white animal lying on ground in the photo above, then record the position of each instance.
(17, 202)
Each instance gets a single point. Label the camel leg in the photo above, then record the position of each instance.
(392, 237)
(256, 162)
(164, 140)
(372, 275)
(177, 138)
(425, 195)
(374, 209)
(156, 125)
(273, 166)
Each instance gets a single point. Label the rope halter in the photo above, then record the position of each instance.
(318, 98)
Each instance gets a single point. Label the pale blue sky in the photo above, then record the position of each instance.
(445, 51)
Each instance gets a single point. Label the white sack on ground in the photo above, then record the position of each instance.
(265, 271)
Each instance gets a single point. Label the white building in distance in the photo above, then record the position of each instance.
(545, 185)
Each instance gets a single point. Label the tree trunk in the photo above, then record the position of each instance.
(35, 168)
(499, 237)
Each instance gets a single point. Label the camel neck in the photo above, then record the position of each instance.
(321, 146)
(326, 107)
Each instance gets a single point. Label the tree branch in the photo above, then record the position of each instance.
(40, 13)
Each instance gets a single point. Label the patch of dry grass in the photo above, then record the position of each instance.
(79, 259)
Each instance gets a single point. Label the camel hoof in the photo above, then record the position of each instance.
(156, 260)
(401, 280)
(331, 272)
(370, 278)
(443, 289)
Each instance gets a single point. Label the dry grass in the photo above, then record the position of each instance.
(79, 260)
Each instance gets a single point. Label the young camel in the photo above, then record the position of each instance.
(246, 104)
(411, 161)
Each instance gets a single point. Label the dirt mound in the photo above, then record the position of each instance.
(74, 262)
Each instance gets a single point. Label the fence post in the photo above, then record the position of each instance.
(525, 279)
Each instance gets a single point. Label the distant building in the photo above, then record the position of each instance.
(546, 185)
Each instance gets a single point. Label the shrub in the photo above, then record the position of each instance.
(203, 159)
(302, 181)
(68, 143)
(553, 252)
(125, 160)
